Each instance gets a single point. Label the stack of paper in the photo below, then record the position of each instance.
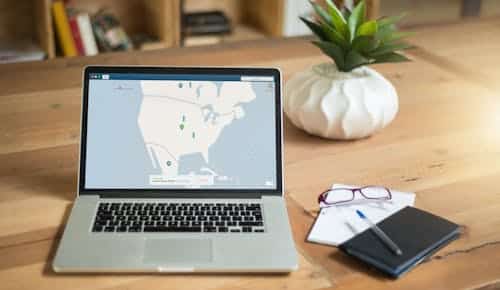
(337, 224)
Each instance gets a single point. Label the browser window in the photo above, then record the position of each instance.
(148, 131)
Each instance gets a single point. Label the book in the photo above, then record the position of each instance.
(204, 23)
(86, 34)
(418, 233)
(63, 29)
(75, 31)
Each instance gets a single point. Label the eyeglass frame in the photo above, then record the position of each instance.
(322, 196)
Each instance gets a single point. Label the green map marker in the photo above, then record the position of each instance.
(181, 126)
(169, 163)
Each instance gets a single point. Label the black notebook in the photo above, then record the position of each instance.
(418, 233)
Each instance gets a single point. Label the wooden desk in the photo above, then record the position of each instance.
(444, 145)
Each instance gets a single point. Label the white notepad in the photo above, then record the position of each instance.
(337, 224)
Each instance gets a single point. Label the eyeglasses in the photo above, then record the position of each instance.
(343, 195)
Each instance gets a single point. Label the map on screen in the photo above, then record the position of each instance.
(180, 134)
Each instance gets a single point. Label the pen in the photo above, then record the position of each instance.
(381, 235)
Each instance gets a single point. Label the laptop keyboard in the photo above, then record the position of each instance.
(135, 217)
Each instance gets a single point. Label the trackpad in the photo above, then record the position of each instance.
(177, 251)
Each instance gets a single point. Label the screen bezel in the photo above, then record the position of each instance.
(182, 192)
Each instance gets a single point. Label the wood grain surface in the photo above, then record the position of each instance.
(444, 146)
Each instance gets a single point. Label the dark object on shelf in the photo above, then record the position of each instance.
(109, 33)
(203, 23)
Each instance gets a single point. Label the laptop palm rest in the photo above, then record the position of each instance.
(184, 252)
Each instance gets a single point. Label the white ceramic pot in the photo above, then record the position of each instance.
(337, 105)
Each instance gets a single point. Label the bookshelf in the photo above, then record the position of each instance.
(159, 19)
(156, 18)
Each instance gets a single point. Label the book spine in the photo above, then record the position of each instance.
(86, 34)
(75, 31)
(63, 29)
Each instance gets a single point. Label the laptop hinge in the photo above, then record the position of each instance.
(177, 195)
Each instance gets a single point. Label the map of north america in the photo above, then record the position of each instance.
(177, 118)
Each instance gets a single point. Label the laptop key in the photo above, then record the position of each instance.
(222, 229)
(173, 229)
(121, 229)
(97, 228)
(134, 229)
(249, 224)
(100, 223)
(246, 229)
(209, 229)
(109, 229)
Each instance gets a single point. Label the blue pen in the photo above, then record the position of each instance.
(381, 235)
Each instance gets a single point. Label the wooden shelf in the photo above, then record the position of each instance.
(159, 19)
(241, 32)
(250, 20)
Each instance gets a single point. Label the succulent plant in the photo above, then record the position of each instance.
(352, 41)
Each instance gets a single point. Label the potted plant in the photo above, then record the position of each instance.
(345, 99)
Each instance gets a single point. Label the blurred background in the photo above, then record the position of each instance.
(32, 30)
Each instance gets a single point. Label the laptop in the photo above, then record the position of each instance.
(180, 171)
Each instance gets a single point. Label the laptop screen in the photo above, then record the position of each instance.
(181, 131)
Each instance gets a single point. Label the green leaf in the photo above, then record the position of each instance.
(315, 28)
(384, 33)
(357, 18)
(368, 28)
(390, 20)
(326, 33)
(321, 13)
(365, 44)
(354, 59)
(390, 47)
(346, 12)
(336, 37)
(338, 19)
(391, 57)
(397, 36)
(332, 50)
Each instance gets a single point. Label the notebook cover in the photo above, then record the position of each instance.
(418, 233)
